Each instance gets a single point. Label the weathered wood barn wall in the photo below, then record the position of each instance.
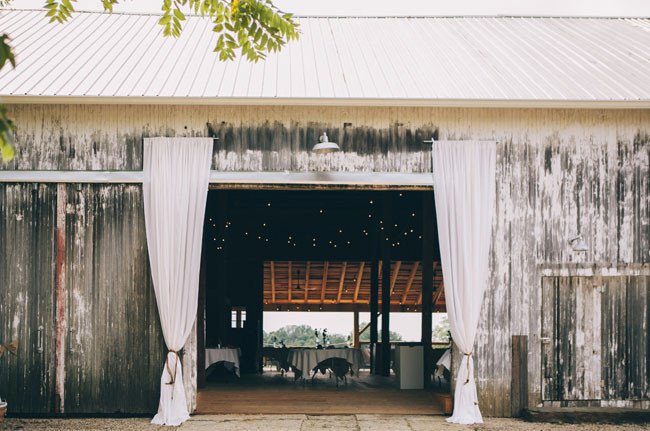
(560, 172)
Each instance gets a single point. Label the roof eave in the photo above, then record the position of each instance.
(295, 101)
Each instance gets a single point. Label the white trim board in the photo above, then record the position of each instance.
(396, 179)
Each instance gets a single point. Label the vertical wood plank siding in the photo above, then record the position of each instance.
(626, 350)
(27, 255)
(115, 349)
(559, 173)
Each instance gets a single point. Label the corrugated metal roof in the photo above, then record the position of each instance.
(423, 60)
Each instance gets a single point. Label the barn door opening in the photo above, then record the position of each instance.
(571, 339)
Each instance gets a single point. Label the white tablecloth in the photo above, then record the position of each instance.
(306, 359)
(443, 362)
(229, 356)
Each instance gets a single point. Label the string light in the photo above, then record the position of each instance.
(268, 204)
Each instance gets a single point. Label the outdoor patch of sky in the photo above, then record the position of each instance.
(413, 7)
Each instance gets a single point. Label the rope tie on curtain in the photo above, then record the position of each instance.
(469, 357)
(169, 370)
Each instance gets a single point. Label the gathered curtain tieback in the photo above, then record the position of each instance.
(469, 356)
(173, 375)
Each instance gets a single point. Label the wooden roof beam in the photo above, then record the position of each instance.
(409, 283)
(359, 277)
(342, 281)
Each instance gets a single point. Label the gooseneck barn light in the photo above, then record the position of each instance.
(324, 146)
(578, 244)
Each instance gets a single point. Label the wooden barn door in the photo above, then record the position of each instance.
(571, 339)
(626, 344)
(27, 280)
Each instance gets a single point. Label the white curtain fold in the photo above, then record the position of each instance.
(175, 188)
(464, 189)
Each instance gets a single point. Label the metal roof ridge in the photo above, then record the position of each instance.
(509, 16)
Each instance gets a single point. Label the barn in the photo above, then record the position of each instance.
(565, 100)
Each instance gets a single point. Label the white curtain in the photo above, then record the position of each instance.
(175, 189)
(464, 190)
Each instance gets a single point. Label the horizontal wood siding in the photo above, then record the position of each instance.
(115, 348)
(27, 280)
(559, 173)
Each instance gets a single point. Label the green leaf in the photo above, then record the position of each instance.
(179, 14)
(165, 20)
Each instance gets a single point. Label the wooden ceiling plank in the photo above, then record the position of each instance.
(324, 284)
(410, 280)
(342, 281)
(359, 278)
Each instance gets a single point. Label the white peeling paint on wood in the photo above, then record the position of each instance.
(559, 173)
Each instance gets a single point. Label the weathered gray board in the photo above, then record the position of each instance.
(599, 347)
(560, 172)
(27, 253)
(115, 350)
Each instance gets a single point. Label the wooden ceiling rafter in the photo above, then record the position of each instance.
(290, 281)
(359, 279)
(324, 284)
(346, 283)
(409, 283)
(307, 281)
(342, 281)
(394, 275)
(272, 264)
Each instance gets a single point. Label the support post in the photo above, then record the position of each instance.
(61, 323)
(374, 308)
(519, 378)
(355, 331)
(200, 314)
(427, 283)
(385, 282)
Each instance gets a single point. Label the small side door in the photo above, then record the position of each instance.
(571, 337)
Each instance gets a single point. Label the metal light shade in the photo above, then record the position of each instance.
(324, 146)
(578, 244)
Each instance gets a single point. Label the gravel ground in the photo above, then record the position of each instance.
(301, 423)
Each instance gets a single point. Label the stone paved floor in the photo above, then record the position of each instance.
(301, 423)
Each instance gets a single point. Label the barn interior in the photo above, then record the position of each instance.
(315, 251)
